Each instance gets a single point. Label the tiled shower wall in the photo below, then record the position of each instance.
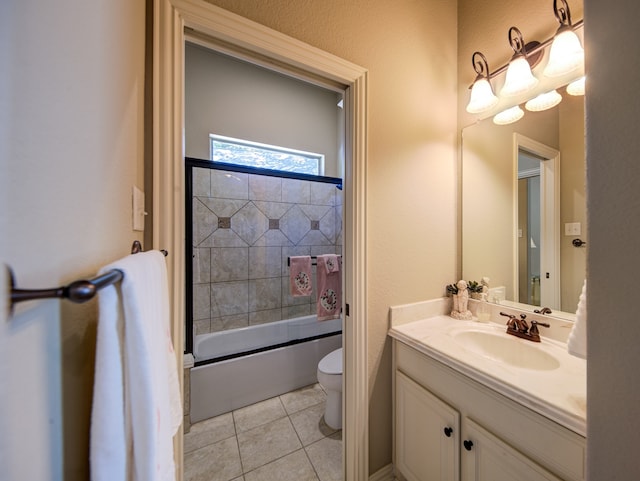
(244, 228)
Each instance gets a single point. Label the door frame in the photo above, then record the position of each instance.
(549, 217)
(262, 44)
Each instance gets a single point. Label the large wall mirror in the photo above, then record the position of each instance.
(524, 207)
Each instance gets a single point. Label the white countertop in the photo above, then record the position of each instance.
(556, 392)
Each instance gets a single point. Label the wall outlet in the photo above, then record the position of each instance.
(138, 209)
(572, 228)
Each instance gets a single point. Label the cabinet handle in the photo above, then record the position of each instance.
(448, 431)
(467, 444)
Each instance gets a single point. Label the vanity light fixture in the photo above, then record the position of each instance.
(482, 96)
(566, 53)
(544, 101)
(566, 62)
(508, 116)
(519, 77)
(576, 87)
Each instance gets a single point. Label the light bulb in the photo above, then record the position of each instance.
(544, 101)
(566, 53)
(576, 87)
(482, 97)
(518, 78)
(508, 116)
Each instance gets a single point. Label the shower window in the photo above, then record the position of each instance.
(253, 154)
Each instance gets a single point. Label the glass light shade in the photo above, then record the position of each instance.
(566, 54)
(544, 101)
(518, 78)
(508, 116)
(482, 97)
(576, 87)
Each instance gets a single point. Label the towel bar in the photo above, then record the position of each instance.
(78, 291)
(313, 260)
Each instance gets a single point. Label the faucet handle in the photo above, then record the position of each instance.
(544, 310)
(512, 323)
(535, 324)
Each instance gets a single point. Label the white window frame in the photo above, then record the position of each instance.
(318, 158)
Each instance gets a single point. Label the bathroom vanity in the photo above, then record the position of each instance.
(473, 403)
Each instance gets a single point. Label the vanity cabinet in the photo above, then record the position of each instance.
(427, 434)
(448, 427)
(485, 457)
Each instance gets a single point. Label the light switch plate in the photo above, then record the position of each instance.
(572, 228)
(138, 209)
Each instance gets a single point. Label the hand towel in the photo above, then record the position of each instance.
(300, 276)
(136, 407)
(332, 263)
(577, 343)
(329, 285)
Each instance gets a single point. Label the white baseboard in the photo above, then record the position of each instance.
(384, 474)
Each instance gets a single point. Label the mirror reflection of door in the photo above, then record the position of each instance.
(537, 252)
(529, 228)
(538, 249)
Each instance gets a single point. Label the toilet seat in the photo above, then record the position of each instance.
(331, 363)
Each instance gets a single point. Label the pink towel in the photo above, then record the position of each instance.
(332, 263)
(300, 276)
(329, 287)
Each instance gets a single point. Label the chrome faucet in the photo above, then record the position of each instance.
(520, 328)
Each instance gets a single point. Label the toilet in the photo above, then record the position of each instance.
(330, 378)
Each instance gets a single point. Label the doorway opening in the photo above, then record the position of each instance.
(537, 213)
(173, 21)
(270, 188)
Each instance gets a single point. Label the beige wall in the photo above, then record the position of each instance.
(72, 148)
(573, 261)
(409, 49)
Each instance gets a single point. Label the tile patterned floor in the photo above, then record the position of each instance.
(283, 438)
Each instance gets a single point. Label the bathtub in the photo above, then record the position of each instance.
(223, 380)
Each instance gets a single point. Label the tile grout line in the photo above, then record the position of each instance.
(235, 430)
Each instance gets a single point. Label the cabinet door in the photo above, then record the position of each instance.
(427, 434)
(485, 457)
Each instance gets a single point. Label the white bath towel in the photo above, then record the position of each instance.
(577, 343)
(136, 405)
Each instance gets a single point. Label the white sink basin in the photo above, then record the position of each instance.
(507, 349)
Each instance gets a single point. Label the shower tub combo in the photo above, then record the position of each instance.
(243, 325)
(240, 367)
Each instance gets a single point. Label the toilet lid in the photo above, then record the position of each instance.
(332, 362)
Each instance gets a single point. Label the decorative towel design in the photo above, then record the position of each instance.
(329, 287)
(577, 344)
(136, 396)
(300, 276)
(332, 263)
